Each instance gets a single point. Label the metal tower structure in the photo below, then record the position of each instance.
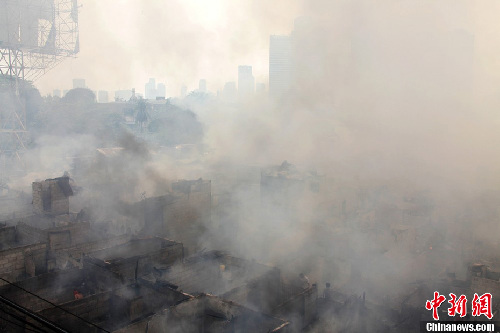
(35, 35)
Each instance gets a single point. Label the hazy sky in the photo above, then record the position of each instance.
(123, 42)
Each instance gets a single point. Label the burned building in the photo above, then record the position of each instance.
(115, 309)
(136, 258)
(299, 306)
(125, 280)
(81, 300)
(37, 293)
(339, 312)
(85, 280)
(57, 233)
(20, 259)
(246, 282)
(484, 280)
(51, 196)
(38, 244)
(66, 238)
(256, 286)
(207, 313)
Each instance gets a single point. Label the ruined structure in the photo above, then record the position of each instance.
(246, 282)
(20, 259)
(103, 301)
(59, 267)
(207, 313)
(65, 269)
(52, 196)
(485, 280)
(136, 258)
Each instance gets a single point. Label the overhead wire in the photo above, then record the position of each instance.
(23, 320)
(54, 305)
(19, 325)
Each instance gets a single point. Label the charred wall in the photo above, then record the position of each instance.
(23, 261)
(52, 196)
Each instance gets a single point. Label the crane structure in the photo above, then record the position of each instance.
(35, 36)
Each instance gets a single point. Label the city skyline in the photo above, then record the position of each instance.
(120, 51)
(246, 81)
(117, 56)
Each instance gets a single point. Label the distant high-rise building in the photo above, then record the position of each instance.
(79, 83)
(161, 90)
(202, 86)
(56, 93)
(102, 96)
(280, 65)
(150, 89)
(246, 81)
(183, 91)
(229, 94)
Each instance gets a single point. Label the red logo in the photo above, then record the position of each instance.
(435, 304)
(457, 306)
(481, 305)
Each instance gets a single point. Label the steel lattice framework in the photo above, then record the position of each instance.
(13, 131)
(35, 35)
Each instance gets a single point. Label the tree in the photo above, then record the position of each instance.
(79, 96)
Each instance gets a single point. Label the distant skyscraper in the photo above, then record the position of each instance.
(56, 93)
(150, 89)
(202, 85)
(102, 96)
(280, 65)
(161, 90)
(246, 81)
(229, 94)
(79, 83)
